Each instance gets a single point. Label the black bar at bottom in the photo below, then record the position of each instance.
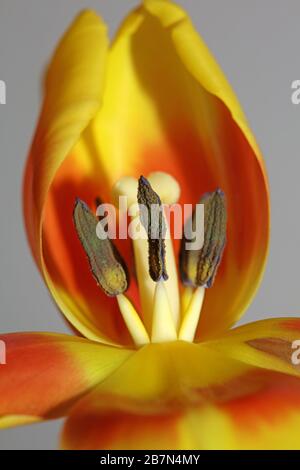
(133, 459)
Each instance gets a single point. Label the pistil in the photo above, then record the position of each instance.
(166, 186)
(163, 326)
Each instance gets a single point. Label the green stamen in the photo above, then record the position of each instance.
(152, 218)
(199, 267)
(106, 264)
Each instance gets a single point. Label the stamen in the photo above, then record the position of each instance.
(191, 317)
(133, 321)
(163, 326)
(106, 263)
(186, 298)
(199, 267)
(108, 268)
(152, 218)
(128, 186)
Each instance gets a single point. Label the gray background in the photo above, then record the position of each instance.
(257, 44)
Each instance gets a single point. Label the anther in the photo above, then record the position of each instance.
(106, 264)
(199, 267)
(152, 218)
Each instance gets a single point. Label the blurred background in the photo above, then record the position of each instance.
(257, 44)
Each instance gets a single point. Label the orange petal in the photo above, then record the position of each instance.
(244, 384)
(166, 106)
(260, 410)
(73, 94)
(46, 373)
(126, 412)
(172, 110)
(120, 430)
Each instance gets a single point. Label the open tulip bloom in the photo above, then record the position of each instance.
(152, 118)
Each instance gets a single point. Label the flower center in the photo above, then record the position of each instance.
(164, 315)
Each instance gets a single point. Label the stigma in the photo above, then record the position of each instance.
(165, 315)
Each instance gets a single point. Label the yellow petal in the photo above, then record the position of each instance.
(72, 96)
(163, 375)
(168, 107)
(269, 344)
(245, 385)
(256, 410)
(265, 420)
(138, 406)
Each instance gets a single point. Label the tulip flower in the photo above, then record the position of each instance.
(150, 116)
